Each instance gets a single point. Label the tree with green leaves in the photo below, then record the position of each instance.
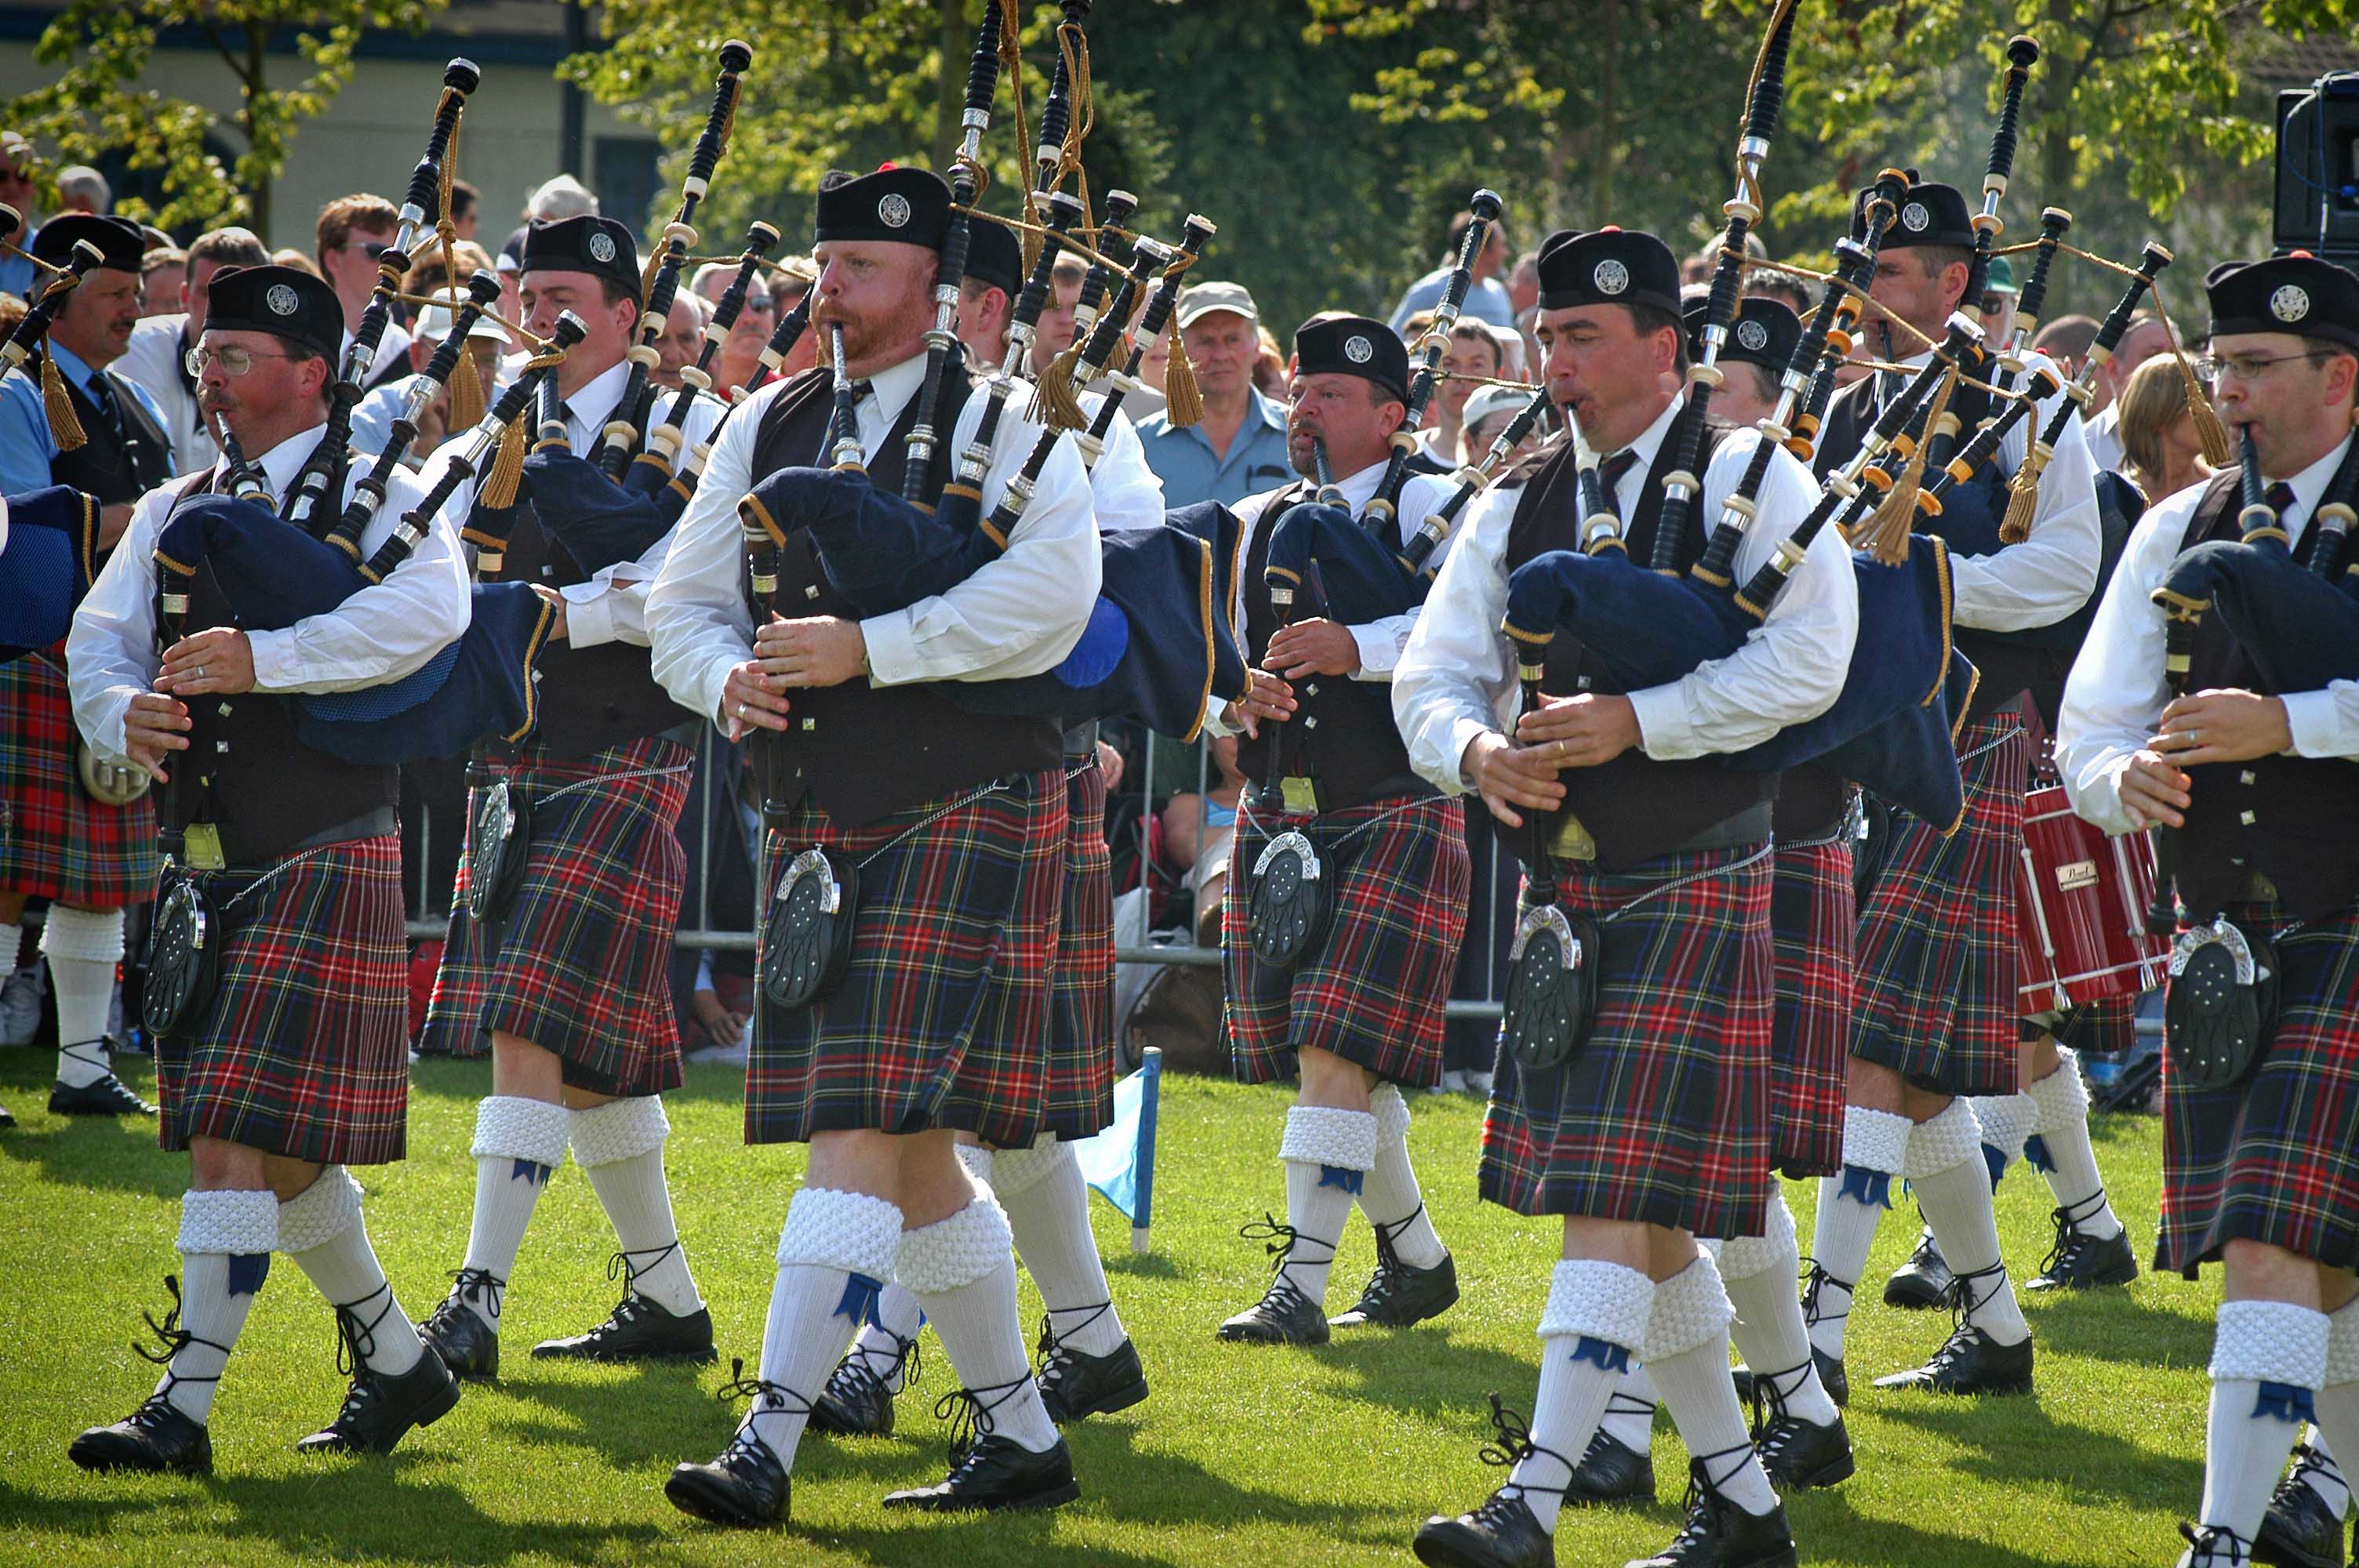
(106, 100)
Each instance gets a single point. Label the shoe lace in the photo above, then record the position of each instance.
(1965, 1301)
(769, 1399)
(1512, 1444)
(857, 1378)
(172, 1339)
(621, 1265)
(1773, 1426)
(1280, 1240)
(1052, 1351)
(2071, 1240)
(1816, 1277)
(1927, 1249)
(2210, 1541)
(969, 1414)
(2308, 1461)
(1391, 1273)
(357, 1340)
(477, 1286)
(1704, 1502)
(91, 1054)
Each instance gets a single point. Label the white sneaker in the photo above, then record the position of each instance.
(20, 1004)
(1453, 1082)
(1479, 1084)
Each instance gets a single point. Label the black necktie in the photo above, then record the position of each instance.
(101, 396)
(1610, 477)
(2279, 498)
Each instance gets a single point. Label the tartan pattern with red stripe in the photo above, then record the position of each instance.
(581, 964)
(1080, 1003)
(1663, 1116)
(1812, 920)
(55, 842)
(306, 1052)
(2277, 1160)
(942, 1020)
(1938, 953)
(1373, 992)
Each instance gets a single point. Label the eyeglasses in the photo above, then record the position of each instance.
(1995, 303)
(375, 251)
(2247, 367)
(234, 362)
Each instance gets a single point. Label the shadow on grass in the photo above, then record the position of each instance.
(631, 1424)
(97, 1154)
(1827, 1516)
(1429, 1372)
(1163, 1488)
(2018, 1441)
(2114, 1325)
(1145, 1266)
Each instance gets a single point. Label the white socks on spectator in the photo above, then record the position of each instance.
(1851, 1204)
(835, 1251)
(1328, 1153)
(226, 1239)
(1946, 1172)
(1687, 1351)
(84, 947)
(322, 1228)
(619, 1146)
(517, 1143)
(1594, 1322)
(1389, 1198)
(1758, 1272)
(1048, 1208)
(2071, 1163)
(2268, 1361)
(962, 1271)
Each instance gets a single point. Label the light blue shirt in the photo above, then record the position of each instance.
(16, 272)
(1486, 300)
(373, 414)
(1190, 472)
(26, 446)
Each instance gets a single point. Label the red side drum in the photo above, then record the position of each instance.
(2080, 900)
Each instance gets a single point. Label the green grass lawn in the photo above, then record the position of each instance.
(1242, 1456)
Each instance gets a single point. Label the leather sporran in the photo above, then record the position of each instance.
(1292, 901)
(185, 939)
(807, 935)
(498, 834)
(109, 783)
(2220, 1004)
(1552, 977)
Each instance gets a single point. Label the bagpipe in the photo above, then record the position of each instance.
(274, 573)
(1483, 207)
(65, 428)
(426, 205)
(46, 567)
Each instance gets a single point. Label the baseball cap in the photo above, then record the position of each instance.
(1199, 300)
(434, 325)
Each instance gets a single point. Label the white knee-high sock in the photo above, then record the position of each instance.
(2268, 1361)
(2338, 1405)
(2315, 1465)
(323, 1230)
(1629, 1418)
(619, 1146)
(834, 1253)
(2064, 1153)
(519, 1142)
(226, 1239)
(1758, 1272)
(1593, 1323)
(1328, 1153)
(83, 945)
(1952, 1186)
(887, 1342)
(962, 1271)
(1048, 1207)
(1687, 1350)
(1390, 1197)
(1851, 1206)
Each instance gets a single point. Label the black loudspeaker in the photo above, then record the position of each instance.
(2318, 168)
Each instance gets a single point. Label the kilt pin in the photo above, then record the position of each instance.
(1938, 958)
(55, 842)
(1080, 1003)
(580, 965)
(943, 1017)
(1374, 990)
(1663, 1116)
(1812, 921)
(2275, 1159)
(305, 1050)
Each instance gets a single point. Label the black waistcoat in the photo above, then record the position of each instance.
(864, 752)
(1342, 730)
(246, 771)
(1634, 807)
(2294, 820)
(113, 468)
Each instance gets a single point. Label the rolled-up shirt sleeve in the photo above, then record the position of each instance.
(1455, 679)
(699, 626)
(2325, 724)
(1124, 489)
(611, 607)
(111, 652)
(2052, 572)
(2117, 690)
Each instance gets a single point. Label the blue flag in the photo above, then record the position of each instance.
(1119, 1161)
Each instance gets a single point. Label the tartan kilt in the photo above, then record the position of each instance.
(306, 1052)
(55, 842)
(1938, 958)
(1373, 991)
(2277, 1159)
(942, 1020)
(1663, 1116)
(1081, 1001)
(1813, 920)
(581, 964)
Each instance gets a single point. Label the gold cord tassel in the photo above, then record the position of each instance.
(2023, 495)
(507, 469)
(1031, 235)
(1887, 534)
(2207, 428)
(467, 391)
(1056, 405)
(1183, 399)
(65, 428)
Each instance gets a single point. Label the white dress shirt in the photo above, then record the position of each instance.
(612, 606)
(380, 633)
(2051, 573)
(1123, 488)
(2105, 437)
(2117, 691)
(153, 359)
(394, 345)
(1457, 676)
(1017, 615)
